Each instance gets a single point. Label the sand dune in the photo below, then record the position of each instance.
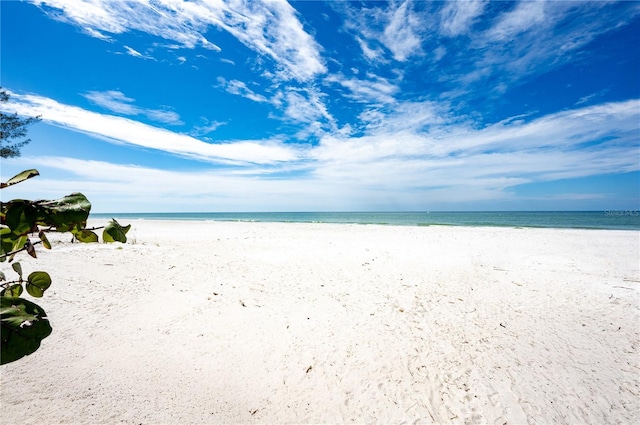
(209, 322)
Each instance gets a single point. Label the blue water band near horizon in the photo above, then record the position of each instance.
(611, 220)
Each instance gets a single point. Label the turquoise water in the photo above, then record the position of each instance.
(619, 219)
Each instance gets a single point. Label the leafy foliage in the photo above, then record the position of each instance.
(25, 324)
(12, 127)
(114, 232)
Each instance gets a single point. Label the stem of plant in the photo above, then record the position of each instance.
(24, 248)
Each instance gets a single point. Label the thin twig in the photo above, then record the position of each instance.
(24, 248)
(50, 229)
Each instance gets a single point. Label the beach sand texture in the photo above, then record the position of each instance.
(213, 322)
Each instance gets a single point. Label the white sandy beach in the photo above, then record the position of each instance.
(194, 322)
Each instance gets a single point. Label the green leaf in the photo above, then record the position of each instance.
(12, 291)
(17, 268)
(114, 232)
(20, 216)
(37, 283)
(24, 326)
(86, 236)
(6, 240)
(2, 276)
(27, 174)
(5, 247)
(65, 213)
(43, 237)
(18, 242)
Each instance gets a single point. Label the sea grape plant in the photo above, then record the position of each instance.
(24, 324)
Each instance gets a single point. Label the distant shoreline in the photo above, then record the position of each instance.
(604, 220)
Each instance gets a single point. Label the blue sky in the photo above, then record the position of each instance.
(165, 105)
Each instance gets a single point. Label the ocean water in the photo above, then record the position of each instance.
(616, 220)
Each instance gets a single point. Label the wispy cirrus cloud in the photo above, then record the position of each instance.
(372, 54)
(208, 127)
(132, 52)
(136, 54)
(582, 142)
(274, 30)
(516, 42)
(126, 131)
(402, 34)
(541, 36)
(240, 88)
(104, 19)
(396, 26)
(409, 117)
(116, 101)
(305, 106)
(271, 29)
(371, 89)
(591, 97)
(457, 17)
(524, 17)
(298, 105)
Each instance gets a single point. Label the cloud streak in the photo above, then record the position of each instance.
(520, 40)
(127, 131)
(240, 88)
(457, 17)
(536, 37)
(271, 29)
(116, 101)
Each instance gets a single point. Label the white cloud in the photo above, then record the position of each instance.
(116, 101)
(126, 131)
(113, 100)
(299, 108)
(372, 54)
(525, 16)
(590, 98)
(456, 17)
(396, 26)
(583, 142)
(208, 127)
(306, 106)
(416, 183)
(439, 52)
(240, 88)
(565, 130)
(401, 35)
(158, 115)
(126, 187)
(276, 31)
(373, 89)
(297, 104)
(270, 28)
(133, 52)
(160, 18)
(535, 36)
(402, 117)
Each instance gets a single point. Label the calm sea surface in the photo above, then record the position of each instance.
(618, 219)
